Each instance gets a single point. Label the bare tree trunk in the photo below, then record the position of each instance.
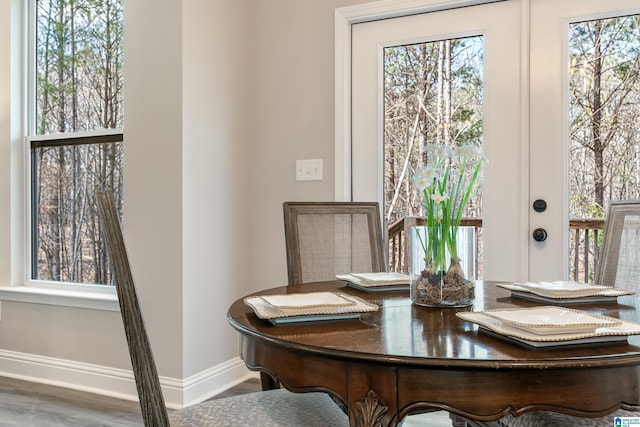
(443, 103)
(440, 131)
(42, 127)
(58, 199)
(596, 121)
(421, 109)
(75, 261)
(446, 94)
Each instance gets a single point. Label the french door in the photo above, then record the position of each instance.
(495, 24)
(552, 115)
(525, 117)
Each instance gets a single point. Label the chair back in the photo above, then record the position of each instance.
(619, 264)
(328, 238)
(154, 410)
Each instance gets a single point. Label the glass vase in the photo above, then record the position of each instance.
(437, 278)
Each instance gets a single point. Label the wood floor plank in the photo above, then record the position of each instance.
(29, 404)
(26, 404)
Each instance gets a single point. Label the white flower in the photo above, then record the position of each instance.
(424, 177)
(444, 152)
(441, 152)
(438, 198)
(446, 185)
(468, 151)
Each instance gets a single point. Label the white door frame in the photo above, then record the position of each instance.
(344, 18)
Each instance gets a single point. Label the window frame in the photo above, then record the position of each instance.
(67, 294)
(66, 139)
(22, 288)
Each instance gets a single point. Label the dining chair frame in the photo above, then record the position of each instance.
(154, 410)
(620, 217)
(294, 210)
(273, 408)
(607, 269)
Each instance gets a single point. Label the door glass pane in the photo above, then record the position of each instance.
(604, 151)
(433, 94)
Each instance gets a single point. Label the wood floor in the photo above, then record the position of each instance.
(27, 404)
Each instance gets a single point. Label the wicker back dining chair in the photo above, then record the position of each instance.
(328, 238)
(268, 408)
(619, 264)
(556, 419)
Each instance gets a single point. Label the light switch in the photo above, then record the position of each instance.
(309, 170)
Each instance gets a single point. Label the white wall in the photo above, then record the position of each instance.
(218, 174)
(221, 98)
(294, 115)
(154, 171)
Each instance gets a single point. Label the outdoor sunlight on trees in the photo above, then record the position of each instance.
(604, 87)
(79, 88)
(434, 92)
(604, 99)
(433, 95)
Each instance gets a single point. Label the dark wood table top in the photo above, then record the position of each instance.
(416, 358)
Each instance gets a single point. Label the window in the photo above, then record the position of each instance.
(604, 94)
(432, 95)
(75, 142)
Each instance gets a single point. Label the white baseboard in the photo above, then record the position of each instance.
(119, 382)
(214, 380)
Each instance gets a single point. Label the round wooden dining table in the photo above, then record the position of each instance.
(405, 358)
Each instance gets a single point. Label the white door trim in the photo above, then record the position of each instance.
(344, 18)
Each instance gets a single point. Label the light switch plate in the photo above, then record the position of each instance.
(309, 170)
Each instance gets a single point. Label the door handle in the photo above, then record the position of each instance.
(539, 234)
(540, 205)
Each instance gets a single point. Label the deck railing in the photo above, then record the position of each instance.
(584, 248)
(585, 241)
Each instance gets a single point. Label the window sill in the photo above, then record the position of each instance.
(60, 297)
